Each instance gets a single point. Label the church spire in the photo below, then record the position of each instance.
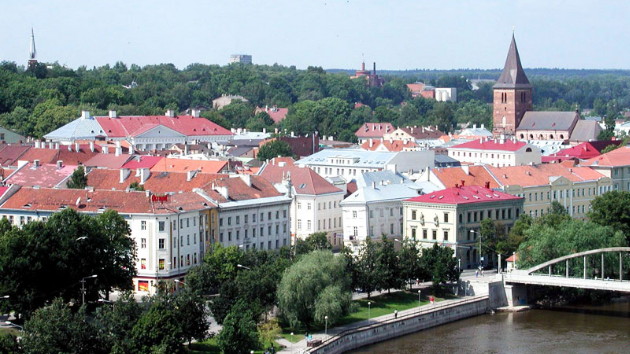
(33, 51)
(513, 75)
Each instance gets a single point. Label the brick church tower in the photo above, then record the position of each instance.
(512, 95)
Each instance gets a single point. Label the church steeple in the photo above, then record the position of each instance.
(32, 61)
(513, 75)
(512, 95)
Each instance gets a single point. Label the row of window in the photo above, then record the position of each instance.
(246, 232)
(425, 234)
(486, 155)
(355, 230)
(332, 224)
(237, 218)
(564, 193)
(499, 214)
(183, 262)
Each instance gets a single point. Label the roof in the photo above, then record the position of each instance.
(513, 75)
(46, 175)
(108, 160)
(158, 182)
(125, 126)
(142, 162)
(389, 145)
(464, 195)
(45, 199)
(9, 154)
(416, 87)
(367, 178)
(423, 132)
(303, 179)
(583, 151)
(470, 175)
(616, 158)
(490, 144)
(184, 165)
(374, 130)
(85, 127)
(586, 130)
(276, 114)
(374, 159)
(548, 121)
(384, 192)
(239, 190)
(539, 175)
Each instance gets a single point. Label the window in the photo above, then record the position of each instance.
(391, 229)
(445, 217)
(299, 205)
(262, 217)
(161, 263)
(355, 231)
(391, 212)
(253, 217)
(143, 263)
(277, 229)
(230, 220)
(229, 236)
(161, 225)
(181, 223)
(424, 234)
(143, 243)
(445, 235)
(161, 243)
(238, 219)
(221, 222)
(262, 232)
(238, 234)
(277, 214)
(187, 240)
(354, 214)
(254, 232)
(434, 234)
(308, 206)
(187, 222)
(308, 224)
(143, 225)
(284, 213)
(413, 233)
(174, 242)
(299, 224)
(221, 237)
(269, 216)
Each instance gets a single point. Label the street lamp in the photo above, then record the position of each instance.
(419, 297)
(5, 297)
(479, 237)
(14, 325)
(242, 266)
(83, 286)
(369, 309)
(326, 326)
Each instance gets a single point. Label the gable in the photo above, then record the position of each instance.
(157, 131)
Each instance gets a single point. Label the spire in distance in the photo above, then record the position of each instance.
(513, 75)
(33, 51)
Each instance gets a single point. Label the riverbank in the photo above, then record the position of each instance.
(374, 330)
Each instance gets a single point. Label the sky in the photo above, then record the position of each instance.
(396, 34)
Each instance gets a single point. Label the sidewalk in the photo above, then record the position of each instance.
(301, 346)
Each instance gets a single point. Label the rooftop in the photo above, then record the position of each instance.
(303, 179)
(464, 195)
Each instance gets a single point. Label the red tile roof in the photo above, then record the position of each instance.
(582, 151)
(276, 114)
(423, 132)
(392, 146)
(9, 154)
(303, 179)
(615, 158)
(184, 165)
(374, 130)
(108, 160)
(541, 174)
(46, 175)
(463, 195)
(239, 190)
(476, 176)
(125, 126)
(71, 157)
(158, 182)
(490, 144)
(86, 201)
(142, 162)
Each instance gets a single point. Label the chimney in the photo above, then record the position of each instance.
(195, 113)
(371, 143)
(466, 169)
(247, 179)
(190, 175)
(482, 126)
(59, 164)
(112, 114)
(118, 148)
(463, 183)
(69, 147)
(170, 113)
(222, 190)
(77, 147)
(57, 146)
(487, 185)
(185, 149)
(36, 163)
(105, 149)
(373, 185)
(124, 173)
(374, 70)
(36, 144)
(91, 146)
(144, 175)
(85, 114)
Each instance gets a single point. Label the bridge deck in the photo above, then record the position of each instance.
(596, 284)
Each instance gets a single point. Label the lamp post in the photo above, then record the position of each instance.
(5, 297)
(369, 309)
(478, 237)
(83, 286)
(419, 297)
(242, 266)
(14, 325)
(326, 326)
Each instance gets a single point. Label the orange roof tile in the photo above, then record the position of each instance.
(392, 146)
(158, 182)
(615, 158)
(303, 179)
(477, 176)
(184, 165)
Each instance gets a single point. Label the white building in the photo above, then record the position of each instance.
(498, 153)
(240, 58)
(315, 205)
(170, 235)
(349, 163)
(444, 94)
(375, 208)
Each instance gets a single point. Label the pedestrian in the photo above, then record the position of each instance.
(395, 313)
(482, 272)
(477, 273)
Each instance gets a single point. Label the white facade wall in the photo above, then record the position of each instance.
(317, 213)
(372, 219)
(498, 158)
(263, 226)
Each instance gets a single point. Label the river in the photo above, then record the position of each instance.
(579, 329)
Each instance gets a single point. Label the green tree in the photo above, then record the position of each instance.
(612, 209)
(9, 344)
(315, 241)
(273, 149)
(440, 264)
(55, 329)
(115, 323)
(366, 267)
(411, 267)
(191, 310)
(158, 330)
(239, 334)
(307, 285)
(78, 179)
(388, 266)
(135, 186)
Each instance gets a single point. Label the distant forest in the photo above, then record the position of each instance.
(36, 101)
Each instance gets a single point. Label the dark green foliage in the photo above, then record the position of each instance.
(440, 264)
(78, 179)
(316, 241)
(136, 187)
(115, 322)
(9, 344)
(612, 209)
(273, 149)
(239, 334)
(45, 260)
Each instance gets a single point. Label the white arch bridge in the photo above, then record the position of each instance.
(600, 269)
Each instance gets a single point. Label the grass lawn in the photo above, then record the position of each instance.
(211, 346)
(384, 304)
(292, 338)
